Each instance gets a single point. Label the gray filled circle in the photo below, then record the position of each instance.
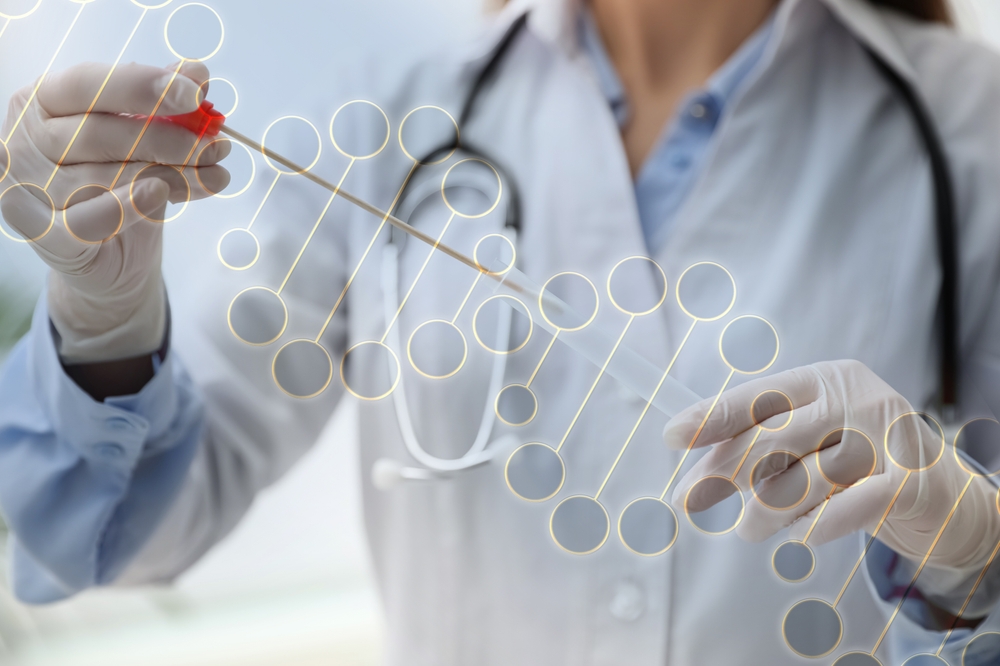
(302, 369)
(857, 659)
(258, 316)
(793, 561)
(580, 524)
(516, 404)
(648, 526)
(812, 628)
(535, 472)
(925, 659)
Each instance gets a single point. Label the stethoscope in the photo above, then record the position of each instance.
(388, 472)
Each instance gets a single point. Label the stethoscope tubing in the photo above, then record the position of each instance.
(477, 454)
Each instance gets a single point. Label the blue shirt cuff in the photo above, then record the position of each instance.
(83, 484)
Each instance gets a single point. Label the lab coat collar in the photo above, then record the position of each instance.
(554, 21)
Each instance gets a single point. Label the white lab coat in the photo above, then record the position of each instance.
(816, 197)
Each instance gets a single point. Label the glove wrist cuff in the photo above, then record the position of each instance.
(94, 329)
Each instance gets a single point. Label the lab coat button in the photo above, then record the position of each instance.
(628, 603)
(110, 450)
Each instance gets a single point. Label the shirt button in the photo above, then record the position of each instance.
(110, 451)
(628, 603)
(119, 423)
(698, 110)
(680, 161)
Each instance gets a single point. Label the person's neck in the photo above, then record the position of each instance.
(662, 49)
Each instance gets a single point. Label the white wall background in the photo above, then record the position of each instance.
(292, 584)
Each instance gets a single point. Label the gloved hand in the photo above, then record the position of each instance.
(105, 295)
(828, 397)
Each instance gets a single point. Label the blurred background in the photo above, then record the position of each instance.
(291, 585)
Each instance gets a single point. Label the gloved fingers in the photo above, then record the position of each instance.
(28, 211)
(189, 184)
(131, 88)
(845, 457)
(110, 214)
(196, 71)
(777, 500)
(112, 138)
(94, 221)
(860, 507)
(737, 412)
(802, 434)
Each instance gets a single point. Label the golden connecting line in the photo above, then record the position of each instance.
(357, 201)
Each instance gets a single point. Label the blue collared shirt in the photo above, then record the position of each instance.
(678, 158)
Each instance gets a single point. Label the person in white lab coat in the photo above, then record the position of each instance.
(759, 135)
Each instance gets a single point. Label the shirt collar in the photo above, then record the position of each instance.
(556, 21)
(722, 86)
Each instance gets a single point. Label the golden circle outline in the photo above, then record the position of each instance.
(15, 17)
(444, 191)
(274, 374)
(791, 412)
(392, 355)
(965, 650)
(465, 350)
(229, 317)
(158, 6)
(475, 256)
(496, 405)
(958, 458)
(819, 464)
(666, 287)
(236, 93)
(166, 220)
(218, 250)
(607, 531)
(593, 316)
(506, 473)
(219, 195)
(777, 345)
(52, 218)
(527, 338)
(739, 519)
(399, 134)
(840, 622)
(848, 654)
(319, 144)
(170, 47)
(677, 530)
(774, 567)
(997, 502)
(388, 130)
(800, 459)
(921, 414)
(732, 302)
(121, 213)
(6, 168)
(926, 654)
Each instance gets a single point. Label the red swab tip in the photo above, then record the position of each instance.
(204, 121)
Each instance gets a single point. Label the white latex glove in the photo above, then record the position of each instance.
(106, 299)
(826, 398)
